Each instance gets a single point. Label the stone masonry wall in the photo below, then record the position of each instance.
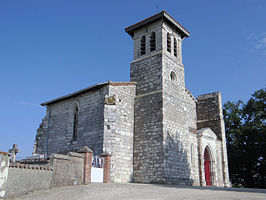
(179, 117)
(26, 178)
(210, 114)
(173, 35)
(55, 134)
(67, 169)
(148, 137)
(219, 164)
(165, 148)
(4, 164)
(179, 121)
(147, 73)
(146, 31)
(61, 170)
(119, 129)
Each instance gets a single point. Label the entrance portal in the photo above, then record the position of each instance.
(207, 166)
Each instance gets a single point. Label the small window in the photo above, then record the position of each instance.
(173, 76)
(75, 124)
(168, 42)
(152, 42)
(175, 48)
(143, 45)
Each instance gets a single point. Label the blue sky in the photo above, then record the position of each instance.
(52, 48)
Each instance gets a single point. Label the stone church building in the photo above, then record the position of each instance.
(155, 130)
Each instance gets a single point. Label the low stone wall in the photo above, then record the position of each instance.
(25, 178)
(60, 170)
(67, 169)
(4, 163)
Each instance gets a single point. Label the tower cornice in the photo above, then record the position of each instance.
(162, 15)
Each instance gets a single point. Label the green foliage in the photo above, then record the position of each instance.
(245, 126)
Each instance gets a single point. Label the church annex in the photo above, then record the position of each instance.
(153, 127)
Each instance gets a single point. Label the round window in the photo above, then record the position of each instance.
(173, 76)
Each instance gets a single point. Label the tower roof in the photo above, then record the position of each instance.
(161, 15)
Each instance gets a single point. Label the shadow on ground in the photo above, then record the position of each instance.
(254, 190)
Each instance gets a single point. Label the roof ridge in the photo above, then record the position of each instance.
(114, 83)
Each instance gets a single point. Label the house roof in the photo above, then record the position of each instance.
(162, 15)
(90, 88)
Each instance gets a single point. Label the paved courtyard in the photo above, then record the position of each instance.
(142, 191)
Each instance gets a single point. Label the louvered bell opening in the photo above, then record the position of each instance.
(153, 42)
(175, 48)
(143, 45)
(168, 43)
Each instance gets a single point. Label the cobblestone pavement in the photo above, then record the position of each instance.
(142, 191)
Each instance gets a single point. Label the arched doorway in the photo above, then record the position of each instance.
(207, 166)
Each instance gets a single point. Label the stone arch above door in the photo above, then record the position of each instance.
(208, 168)
(207, 157)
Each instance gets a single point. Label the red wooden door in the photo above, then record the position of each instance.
(207, 167)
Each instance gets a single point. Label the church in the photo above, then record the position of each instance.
(155, 130)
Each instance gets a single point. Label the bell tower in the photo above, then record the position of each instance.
(157, 49)
(160, 95)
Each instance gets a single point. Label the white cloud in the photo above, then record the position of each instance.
(257, 42)
(28, 104)
(261, 43)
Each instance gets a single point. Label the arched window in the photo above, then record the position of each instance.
(153, 41)
(143, 45)
(175, 48)
(168, 42)
(173, 76)
(75, 124)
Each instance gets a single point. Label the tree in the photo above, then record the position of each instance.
(245, 126)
